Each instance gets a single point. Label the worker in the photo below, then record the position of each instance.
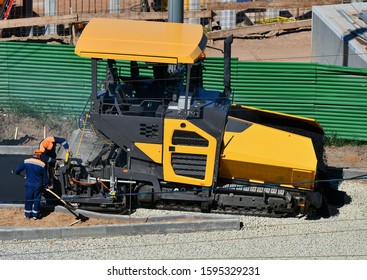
(48, 149)
(35, 181)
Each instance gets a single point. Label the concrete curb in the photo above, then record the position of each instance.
(349, 173)
(115, 230)
(152, 225)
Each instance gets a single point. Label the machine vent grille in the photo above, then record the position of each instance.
(188, 138)
(149, 131)
(189, 165)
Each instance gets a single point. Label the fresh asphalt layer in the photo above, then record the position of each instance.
(135, 226)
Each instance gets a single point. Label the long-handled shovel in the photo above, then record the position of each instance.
(79, 217)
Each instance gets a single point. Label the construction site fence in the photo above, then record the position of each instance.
(38, 78)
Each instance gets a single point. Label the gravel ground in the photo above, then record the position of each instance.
(339, 237)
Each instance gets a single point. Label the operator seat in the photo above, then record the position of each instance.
(124, 104)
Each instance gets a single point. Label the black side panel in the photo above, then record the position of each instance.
(124, 131)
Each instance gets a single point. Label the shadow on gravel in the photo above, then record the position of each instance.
(21, 141)
(333, 199)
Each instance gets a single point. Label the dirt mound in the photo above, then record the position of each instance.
(24, 130)
(347, 156)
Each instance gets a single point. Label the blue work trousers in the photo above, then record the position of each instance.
(32, 201)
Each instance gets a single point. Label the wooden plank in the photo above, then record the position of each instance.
(68, 19)
(145, 15)
(36, 21)
(259, 29)
(265, 5)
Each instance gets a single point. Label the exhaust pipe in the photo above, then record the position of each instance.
(227, 65)
(175, 11)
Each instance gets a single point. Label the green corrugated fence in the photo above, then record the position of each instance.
(335, 96)
(341, 101)
(48, 78)
(51, 78)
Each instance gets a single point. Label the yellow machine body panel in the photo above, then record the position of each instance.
(188, 162)
(162, 42)
(263, 154)
(153, 151)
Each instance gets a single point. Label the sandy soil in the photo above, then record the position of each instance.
(15, 217)
(289, 47)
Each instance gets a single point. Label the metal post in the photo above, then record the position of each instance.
(175, 14)
(227, 65)
(112, 176)
(94, 83)
(28, 12)
(189, 66)
(175, 11)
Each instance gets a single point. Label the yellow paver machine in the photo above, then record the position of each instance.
(164, 141)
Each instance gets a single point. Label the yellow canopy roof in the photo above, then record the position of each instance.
(147, 41)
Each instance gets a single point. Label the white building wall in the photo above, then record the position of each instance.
(333, 40)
